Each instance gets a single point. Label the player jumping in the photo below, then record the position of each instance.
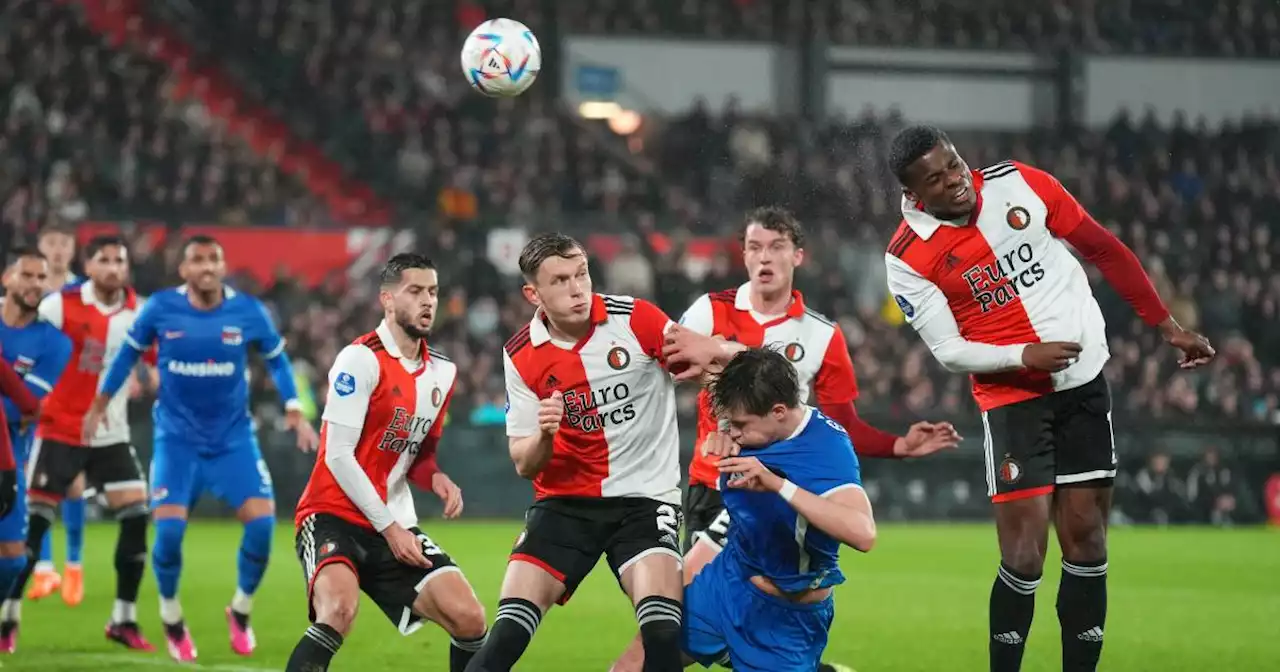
(768, 310)
(591, 419)
(356, 525)
(795, 495)
(39, 353)
(58, 245)
(204, 434)
(980, 269)
(95, 316)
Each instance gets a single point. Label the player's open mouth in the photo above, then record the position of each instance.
(765, 274)
(961, 195)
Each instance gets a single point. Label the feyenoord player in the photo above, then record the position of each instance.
(768, 311)
(591, 419)
(356, 525)
(95, 315)
(980, 269)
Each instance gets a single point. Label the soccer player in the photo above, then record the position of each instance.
(95, 315)
(591, 420)
(768, 311)
(39, 353)
(981, 269)
(58, 245)
(795, 495)
(204, 435)
(356, 525)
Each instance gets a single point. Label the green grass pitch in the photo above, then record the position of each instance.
(1181, 599)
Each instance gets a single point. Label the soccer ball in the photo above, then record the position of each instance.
(501, 58)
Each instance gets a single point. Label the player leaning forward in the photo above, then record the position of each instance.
(356, 524)
(980, 270)
(591, 420)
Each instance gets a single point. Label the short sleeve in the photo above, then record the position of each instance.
(522, 403)
(142, 334)
(51, 309)
(836, 382)
(48, 369)
(1064, 212)
(840, 467)
(920, 300)
(700, 316)
(650, 325)
(352, 380)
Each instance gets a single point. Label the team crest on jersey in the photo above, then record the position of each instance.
(23, 365)
(793, 352)
(1018, 218)
(905, 305)
(619, 358)
(1010, 471)
(232, 336)
(436, 397)
(328, 548)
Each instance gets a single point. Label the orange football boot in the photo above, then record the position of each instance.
(73, 585)
(44, 582)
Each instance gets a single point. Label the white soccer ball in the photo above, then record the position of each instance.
(501, 58)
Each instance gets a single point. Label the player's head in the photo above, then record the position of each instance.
(754, 395)
(556, 277)
(772, 248)
(106, 262)
(58, 245)
(203, 264)
(932, 173)
(25, 277)
(409, 293)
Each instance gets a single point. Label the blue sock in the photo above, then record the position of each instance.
(46, 548)
(10, 570)
(255, 548)
(73, 519)
(166, 555)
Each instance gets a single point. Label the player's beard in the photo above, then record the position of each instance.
(409, 323)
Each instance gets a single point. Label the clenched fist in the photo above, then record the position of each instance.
(550, 412)
(1052, 357)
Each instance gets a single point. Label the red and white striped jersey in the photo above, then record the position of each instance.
(97, 333)
(618, 437)
(814, 345)
(980, 290)
(396, 403)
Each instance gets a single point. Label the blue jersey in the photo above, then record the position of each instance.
(202, 357)
(38, 352)
(771, 539)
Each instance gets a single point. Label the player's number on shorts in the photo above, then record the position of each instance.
(720, 526)
(429, 547)
(668, 520)
(264, 472)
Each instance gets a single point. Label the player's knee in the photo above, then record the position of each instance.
(256, 508)
(1084, 542)
(1025, 559)
(133, 531)
(337, 611)
(468, 620)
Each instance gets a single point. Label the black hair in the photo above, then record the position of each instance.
(393, 271)
(199, 239)
(754, 381)
(910, 144)
(19, 253)
(543, 247)
(96, 244)
(778, 220)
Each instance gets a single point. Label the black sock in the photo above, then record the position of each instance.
(131, 552)
(1013, 604)
(510, 635)
(39, 520)
(660, 619)
(315, 649)
(461, 651)
(1082, 613)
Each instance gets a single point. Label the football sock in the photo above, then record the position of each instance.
(255, 549)
(131, 552)
(315, 649)
(73, 520)
(11, 570)
(660, 619)
(1013, 604)
(1082, 613)
(510, 635)
(39, 520)
(45, 564)
(461, 651)
(166, 556)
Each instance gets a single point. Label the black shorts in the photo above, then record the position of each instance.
(54, 466)
(705, 517)
(1062, 438)
(323, 539)
(566, 535)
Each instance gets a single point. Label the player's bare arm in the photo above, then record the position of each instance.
(844, 514)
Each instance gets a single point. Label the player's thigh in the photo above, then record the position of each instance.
(115, 471)
(702, 505)
(330, 556)
(446, 597)
(398, 588)
(1083, 436)
(644, 551)
(175, 482)
(1018, 446)
(779, 636)
(240, 478)
(560, 545)
(707, 615)
(54, 466)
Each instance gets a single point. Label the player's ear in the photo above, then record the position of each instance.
(911, 195)
(798, 257)
(530, 294)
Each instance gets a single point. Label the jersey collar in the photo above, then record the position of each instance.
(539, 334)
(91, 299)
(925, 224)
(389, 343)
(742, 301)
(804, 422)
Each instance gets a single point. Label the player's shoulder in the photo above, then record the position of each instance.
(623, 305)
(902, 240)
(818, 319)
(167, 297)
(358, 356)
(723, 297)
(518, 341)
(441, 362)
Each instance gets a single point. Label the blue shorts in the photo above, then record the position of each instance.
(729, 620)
(181, 472)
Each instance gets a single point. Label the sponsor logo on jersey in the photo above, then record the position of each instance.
(998, 284)
(344, 384)
(619, 358)
(202, 369)
(232, 336)
(173, 335)
(905, 305)
(596, 408)
(405, 432)
(1018, 218)
(23, 365)
(1010, 471)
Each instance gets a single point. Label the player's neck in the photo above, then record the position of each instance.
(202, 300)
(410, 347)
(107, 297)
(13, 314)
(571, 333)
(58, 279)
(791, 423)
(771, 303)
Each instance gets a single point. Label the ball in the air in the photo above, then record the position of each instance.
(501, 58)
